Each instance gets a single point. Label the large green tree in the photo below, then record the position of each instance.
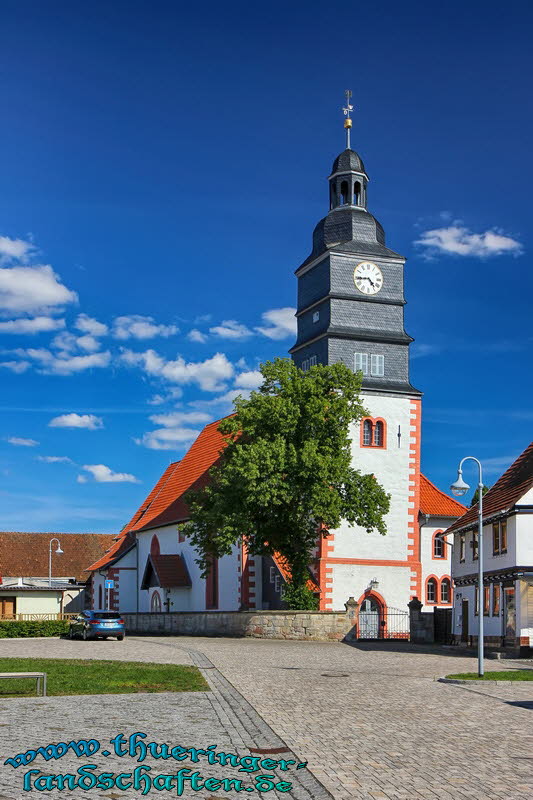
(285, 476)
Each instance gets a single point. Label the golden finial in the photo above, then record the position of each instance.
(348, 121)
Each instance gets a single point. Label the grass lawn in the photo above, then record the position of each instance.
(77, 676)
(508, 675)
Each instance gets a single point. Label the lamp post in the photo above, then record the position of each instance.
(460, 488)
(59, 551)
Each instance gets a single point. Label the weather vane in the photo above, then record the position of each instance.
(348, 121)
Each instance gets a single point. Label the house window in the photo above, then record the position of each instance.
(344, 192)
(211, 585)
(503, 536)
(496, 600)
(361, 363)
(272, 574)
(316, 316)
(462, 547)
(438, 545)
(431, 591)
(445, 591)
(181, 536)
(486, 601)
(377, 366)
(379, 437)
(357, 193)
(308, 362)
(474, 545)
(154, 546)
(277, 583)
(496, 549)
(367, 433)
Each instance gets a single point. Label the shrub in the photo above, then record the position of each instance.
(299, 598)
(14, 629)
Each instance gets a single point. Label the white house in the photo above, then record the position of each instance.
(507, 601)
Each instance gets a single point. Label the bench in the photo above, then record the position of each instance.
(39, 676)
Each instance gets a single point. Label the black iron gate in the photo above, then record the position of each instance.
(376, 623)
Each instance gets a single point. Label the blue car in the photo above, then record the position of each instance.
(97, 625)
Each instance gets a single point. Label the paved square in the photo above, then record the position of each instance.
(371, 720)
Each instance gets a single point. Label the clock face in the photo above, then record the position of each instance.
(368, 277)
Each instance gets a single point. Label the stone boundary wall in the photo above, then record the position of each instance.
(309, 625)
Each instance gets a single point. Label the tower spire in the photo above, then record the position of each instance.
(348, 121)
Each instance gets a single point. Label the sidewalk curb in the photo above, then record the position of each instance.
(477, 682)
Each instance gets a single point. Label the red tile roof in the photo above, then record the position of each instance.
(26, 554)
(514, 483)
(282, 565)
(436, 503)
(170, 570)
(165, 502)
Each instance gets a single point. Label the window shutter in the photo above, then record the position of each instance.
(377, 365)
(361, 363)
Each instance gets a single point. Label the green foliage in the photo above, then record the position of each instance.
(286, 472)
(299, 598)
(15, 629)
(475, 496)
(507, 675)
(77, 676)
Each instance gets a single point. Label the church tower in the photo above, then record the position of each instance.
(350, 310)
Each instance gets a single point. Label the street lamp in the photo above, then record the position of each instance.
(58, 552)
(459, 488)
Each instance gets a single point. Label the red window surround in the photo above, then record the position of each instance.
(211, 586)
(438, 545)
(432, 590)
(373, 432)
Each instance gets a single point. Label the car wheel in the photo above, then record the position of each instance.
(84, 634)
(120, 638)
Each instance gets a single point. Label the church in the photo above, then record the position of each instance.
(350, 309)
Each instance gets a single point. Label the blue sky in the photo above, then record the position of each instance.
(163, 167)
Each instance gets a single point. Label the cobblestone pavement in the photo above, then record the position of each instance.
(371, 720)
(221, 717)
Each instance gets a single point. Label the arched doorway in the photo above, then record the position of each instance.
(371, 618)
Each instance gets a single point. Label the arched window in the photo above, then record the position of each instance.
(357, 193)
(344, 193)
(99, 597)
(155, 605)
(154, 546)
(439, 545)
(367, 433)
(431, 590)
(445, 591)
(373, 433)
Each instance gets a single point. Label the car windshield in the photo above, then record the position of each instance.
(106, 615)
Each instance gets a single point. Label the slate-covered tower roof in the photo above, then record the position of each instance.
(350, 288)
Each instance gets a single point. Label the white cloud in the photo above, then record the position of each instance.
(81, 479)
(231, 329)
(87, 324)
(103, 474)
(281, 322)
(16, 366)
(32, 289)
(55, 459)
(19, 442)
(63, 363)
(87, 421)
(224, 402)
(458, 240)
(197, 336)
(88, 343)
(209, 375)
(14, 249)
(249, 380)
(35, 325)
(176, 431)
(419, 350)
(67, 343)
(136, 326)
